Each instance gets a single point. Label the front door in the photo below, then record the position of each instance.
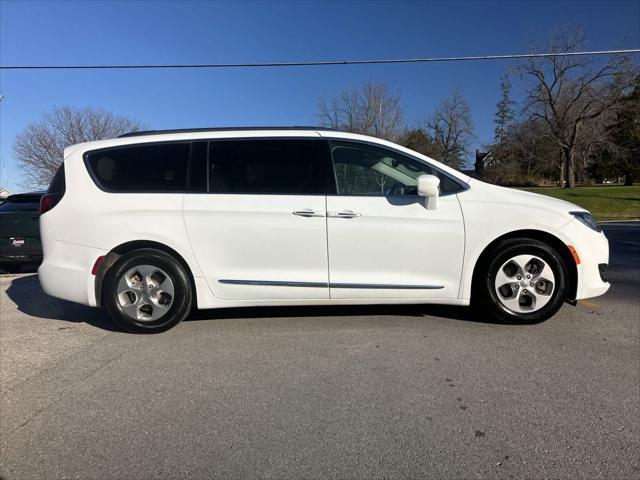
(260, 232)
(383, 242)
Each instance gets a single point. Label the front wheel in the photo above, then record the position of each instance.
(147, 291)
(522, 281)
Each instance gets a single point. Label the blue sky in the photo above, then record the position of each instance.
(172, 31)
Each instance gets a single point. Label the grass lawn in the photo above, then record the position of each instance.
(604, 202)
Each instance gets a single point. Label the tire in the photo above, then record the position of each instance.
(502, 290)
(154, 305)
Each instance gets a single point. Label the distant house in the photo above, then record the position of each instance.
(483, 160)
(4, 193)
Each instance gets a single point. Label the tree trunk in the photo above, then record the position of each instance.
(561, 179)
(569, 167)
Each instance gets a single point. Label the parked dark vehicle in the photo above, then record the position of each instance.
(19, 231)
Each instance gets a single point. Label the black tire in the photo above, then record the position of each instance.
(182, 298)
(484, 298)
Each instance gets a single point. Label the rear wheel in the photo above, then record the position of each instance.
(147, 291)
(522, 281)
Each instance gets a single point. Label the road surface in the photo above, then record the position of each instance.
(351, 392)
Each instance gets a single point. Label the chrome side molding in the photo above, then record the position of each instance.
(274, 283)
(386, 286)
(277, 283)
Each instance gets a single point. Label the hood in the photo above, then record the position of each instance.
(522, 197)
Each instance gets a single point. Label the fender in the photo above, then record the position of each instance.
(536, 231)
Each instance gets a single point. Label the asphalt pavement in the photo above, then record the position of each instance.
(349, 392)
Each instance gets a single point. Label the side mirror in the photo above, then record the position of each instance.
(428, 187)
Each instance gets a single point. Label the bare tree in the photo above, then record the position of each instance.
(451, 129)
(418, 139)
(569, 93)
(372, 110)
(381, 180)
(617, 153)
(39, 148)
(524, 156)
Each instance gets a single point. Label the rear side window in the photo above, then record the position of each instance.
(271, 166)
(21, 204)
(140, 168)
(197, 177)
(58, 184)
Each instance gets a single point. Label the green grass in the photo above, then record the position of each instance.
(604, 202)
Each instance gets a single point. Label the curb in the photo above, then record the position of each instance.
(625, 220)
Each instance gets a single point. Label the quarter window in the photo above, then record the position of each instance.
(141, 168)
(368, 170)
(282, 166)
(58, 182)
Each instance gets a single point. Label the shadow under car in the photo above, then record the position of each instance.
(27, 294)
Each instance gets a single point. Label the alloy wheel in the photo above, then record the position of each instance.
(145, 293)
(525, 283)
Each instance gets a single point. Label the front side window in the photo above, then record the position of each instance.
(156, 168)
(368, 170)
(270, 166)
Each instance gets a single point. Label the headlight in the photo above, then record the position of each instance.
(587, 219)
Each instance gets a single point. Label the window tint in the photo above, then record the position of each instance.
(21, 204)
(197, 181)
(58, 184)
(369, 170)
(285, 167)
(141, 168)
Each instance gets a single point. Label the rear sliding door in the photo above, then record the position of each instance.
(260, 231)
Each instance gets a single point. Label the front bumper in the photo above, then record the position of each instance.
(602, 268)
(593, 249)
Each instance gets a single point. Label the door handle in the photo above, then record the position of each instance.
(307, 212)
(346, 214)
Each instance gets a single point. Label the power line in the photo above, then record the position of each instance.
(310, 63)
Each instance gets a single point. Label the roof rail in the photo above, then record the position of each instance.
(218, 129)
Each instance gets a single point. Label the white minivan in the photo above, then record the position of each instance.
(153, 224)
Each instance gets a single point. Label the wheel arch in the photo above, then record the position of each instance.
(115, 253)
(554, 242)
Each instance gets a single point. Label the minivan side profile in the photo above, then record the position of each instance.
(153, 224)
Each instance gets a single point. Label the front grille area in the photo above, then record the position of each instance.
(602, 268)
